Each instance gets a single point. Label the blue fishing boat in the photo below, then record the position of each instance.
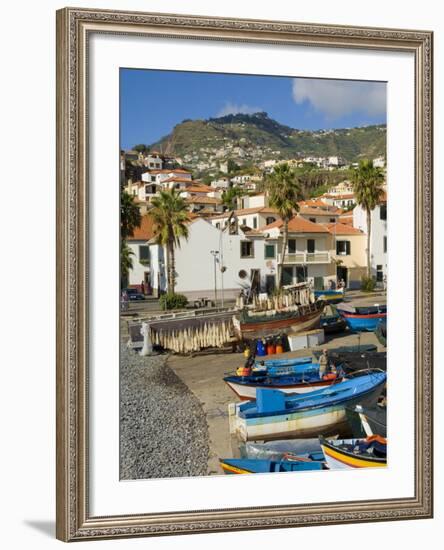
(364, 318)
(330, 296)
(245, 386)
(381, 332)
(283, 362)
(258, 466)
(276, 415)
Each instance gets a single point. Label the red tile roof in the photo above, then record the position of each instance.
(298, 224)
(146, 230)
(196, 199)
(342, 229)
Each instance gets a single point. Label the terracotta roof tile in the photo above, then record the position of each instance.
(146, 230)
(342, 229)
(298, 224)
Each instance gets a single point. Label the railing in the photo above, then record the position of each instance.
(308, 258)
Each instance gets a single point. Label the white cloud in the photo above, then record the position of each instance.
(234, 109)
(336, 98)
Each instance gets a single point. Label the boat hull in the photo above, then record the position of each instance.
(247, 392)
(339, 459)
(275, 327)
(364, 323)
(259, 466)
(310, 421)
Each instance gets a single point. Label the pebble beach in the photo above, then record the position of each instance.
(163, 429)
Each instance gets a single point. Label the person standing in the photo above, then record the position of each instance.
(323, 363)
(142, 287)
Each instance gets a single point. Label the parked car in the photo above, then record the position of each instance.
(134, 294)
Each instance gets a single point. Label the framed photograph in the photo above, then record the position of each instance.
(244, 274)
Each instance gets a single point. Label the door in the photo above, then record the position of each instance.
(342, 273)
(270, 283)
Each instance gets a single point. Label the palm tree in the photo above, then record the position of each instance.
(283, 191)
(170, 217)
(130, 217)
(368, 188)
(126, 262)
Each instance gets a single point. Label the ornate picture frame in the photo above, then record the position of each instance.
(74, 27)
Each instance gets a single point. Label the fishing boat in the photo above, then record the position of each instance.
(245, 386)
(348, 349)
(381, 332)
(365, 421)
(355, 361)
(290, 370)
(333, 323)
(294, 309)
(259, 466)
(261, 324)
(363, 318)
(347, 454)
(269, 363)
(276, 415)
(279, 449)
(330, 296)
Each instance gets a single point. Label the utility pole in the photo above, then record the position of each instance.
(215, 254)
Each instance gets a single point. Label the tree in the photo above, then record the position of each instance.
(126, 262)
(130, 217)
(170, 217)
(368, 188)
(141, 148)
(284, 191)
(229, 197)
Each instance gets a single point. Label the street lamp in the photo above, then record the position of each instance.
(215, 254)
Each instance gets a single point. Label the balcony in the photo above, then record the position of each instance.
(308, 258)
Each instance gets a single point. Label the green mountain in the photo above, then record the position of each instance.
(254, 137)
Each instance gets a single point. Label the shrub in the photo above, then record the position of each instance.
(368, 284)
(173, 301)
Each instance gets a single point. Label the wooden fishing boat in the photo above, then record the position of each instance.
(333, 323)
(276, 415)
(262, 324)
(347, 454)
(268, 363)
(364, 318)
(258, 466)
(245, 386)
(280, 449)
(354, 361)
(365, 421)
(330, 296)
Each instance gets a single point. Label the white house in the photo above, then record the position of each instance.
(258, 200)
(200, 257)
(308, 256)
(253, 218)
(378, 236)
(154, 161)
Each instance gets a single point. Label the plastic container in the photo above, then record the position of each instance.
(260, 349)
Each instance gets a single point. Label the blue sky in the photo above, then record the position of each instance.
(152, 102)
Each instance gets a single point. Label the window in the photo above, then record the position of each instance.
(343, 248)
(218, 225)
(310, 246)
(270, 251)
(332, 220)
(312, 220)
(383, 212)
(385, 243)
(292, 246)
(247, 249)
(255, 223)
(270, 219)
(287, 275)
(144, 254)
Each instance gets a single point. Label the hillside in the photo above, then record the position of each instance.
(251, 138)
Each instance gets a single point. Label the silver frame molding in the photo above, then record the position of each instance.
(73, 519)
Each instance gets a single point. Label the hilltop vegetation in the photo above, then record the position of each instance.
(256, 137)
